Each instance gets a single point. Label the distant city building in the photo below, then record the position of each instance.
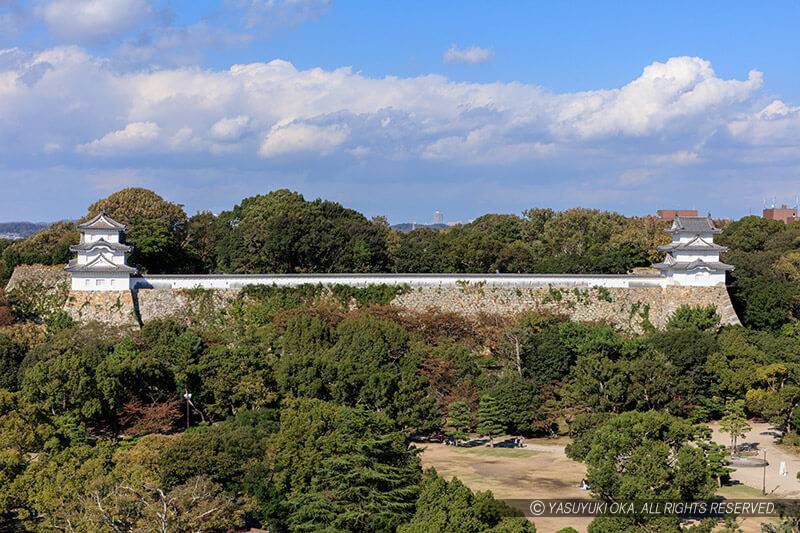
(670, 214)
(437, 217)
(784, 213)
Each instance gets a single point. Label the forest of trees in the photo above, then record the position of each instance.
(302, 405)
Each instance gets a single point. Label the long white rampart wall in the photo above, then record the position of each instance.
(233, 281)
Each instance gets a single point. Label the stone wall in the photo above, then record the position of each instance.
(114, 308)
(51, 276)
(38, 290)
(190, 305)
(632, 309)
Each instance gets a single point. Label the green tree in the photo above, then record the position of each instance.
(646, 456)
(421, 250)
(11, 355)
(701, 318)
(523, 404)
(201, 241)
(750, 233)
(762, 290)
(598, 383)
(734, 423)
(300, 368)
(458, 418)
(343, 468)
(718, 460)
(688, 350)
(48, 247)
(776, 393)
(652, 382)
(59, 379)
(764, 302)
(156, 228)
(451, 506)
(233, 378)
(537, 348)
(51, 488)
(370, 365)
(490, 418)
(225, 452)
(581, 429)
(282, 232)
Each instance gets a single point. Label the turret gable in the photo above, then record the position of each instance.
(696, 225)
(100, 243)
(698, 243)
(100, 264)
(102, 221)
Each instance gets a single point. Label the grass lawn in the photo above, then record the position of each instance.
(739, 491)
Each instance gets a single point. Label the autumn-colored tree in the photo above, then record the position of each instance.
(137, 418)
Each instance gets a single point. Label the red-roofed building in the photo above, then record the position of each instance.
(670, 214)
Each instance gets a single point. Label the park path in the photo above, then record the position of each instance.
(762, 437)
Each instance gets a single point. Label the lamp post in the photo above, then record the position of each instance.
(764, 475)
(188, 397)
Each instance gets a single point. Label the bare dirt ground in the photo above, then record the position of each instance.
(539, 470)
(542, 470)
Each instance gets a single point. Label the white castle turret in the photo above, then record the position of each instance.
(101, 264)
(692, 257)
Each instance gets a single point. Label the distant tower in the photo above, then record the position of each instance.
(437, 217)
(102, 263)
(693, 258)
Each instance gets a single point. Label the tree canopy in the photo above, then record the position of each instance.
(155, 227)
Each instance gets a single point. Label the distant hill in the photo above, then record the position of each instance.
(408, 226)
(19, 230)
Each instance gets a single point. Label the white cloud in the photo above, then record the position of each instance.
(87, 20)
(230, 129)
(134, 137)
(671, 93)
(66, 96)
(473, 55)
(676, 117)
(776, 126)
(291, 138)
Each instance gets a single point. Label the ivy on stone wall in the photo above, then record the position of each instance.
(35, 300)
(364, 296)
(260, 303)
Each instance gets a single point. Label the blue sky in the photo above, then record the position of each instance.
(400, 108)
